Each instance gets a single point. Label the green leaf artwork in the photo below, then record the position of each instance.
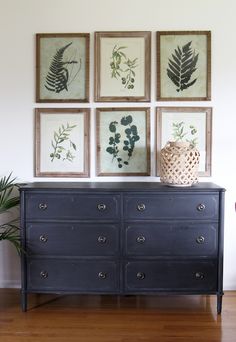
(182, 66)
(122, 67)
(122, 153)
(59, 77)
(179, 133)
(62, 145)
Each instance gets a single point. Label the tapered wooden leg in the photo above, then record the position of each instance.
(23, 301)
(219, 303)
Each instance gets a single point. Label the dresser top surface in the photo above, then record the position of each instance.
(119, 186)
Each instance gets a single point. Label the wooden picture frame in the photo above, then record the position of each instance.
(123, 141)
(122, 66)
(62, 67)
(62, 142)
(193, 124)
(184, 66)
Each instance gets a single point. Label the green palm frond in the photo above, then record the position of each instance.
(6, 188)
(6, 182)
(9, 230)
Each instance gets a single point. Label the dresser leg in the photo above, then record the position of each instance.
(219, 303)
(23, 301)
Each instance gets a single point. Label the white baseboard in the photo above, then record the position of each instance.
(11, 284)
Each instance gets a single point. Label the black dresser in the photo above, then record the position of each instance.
(122, 238)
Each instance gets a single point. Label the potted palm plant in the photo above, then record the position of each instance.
(9, 228)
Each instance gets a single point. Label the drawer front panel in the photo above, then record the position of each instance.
(72, 275)
(185, 206)
(82, 239)
(170, 276)
(67, 206)
(167, 239)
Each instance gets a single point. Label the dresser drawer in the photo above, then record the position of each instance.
(66, 239)
(171, 239)
(68, 206)
(185, 206)
(72, 275)
(170, 276)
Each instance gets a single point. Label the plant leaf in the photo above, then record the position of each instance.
(182, 66)
(58, 75)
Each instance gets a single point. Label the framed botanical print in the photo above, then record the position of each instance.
(123, 141)
(62, 142)
(122, 66)
(62, 67)
(191, 124)
(184, 65)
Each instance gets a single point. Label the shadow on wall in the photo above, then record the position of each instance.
(9, 265)
(9, 238)
(9, 258)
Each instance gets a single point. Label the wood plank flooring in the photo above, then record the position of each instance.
(86, 318)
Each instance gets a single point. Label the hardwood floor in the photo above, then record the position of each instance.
(117, 319)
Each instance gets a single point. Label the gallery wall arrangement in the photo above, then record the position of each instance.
(122, 74)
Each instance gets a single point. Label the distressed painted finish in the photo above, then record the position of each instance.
(122, 238)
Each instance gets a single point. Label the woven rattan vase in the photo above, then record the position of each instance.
(179, 164)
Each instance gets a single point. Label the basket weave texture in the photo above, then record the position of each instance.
(179, 164)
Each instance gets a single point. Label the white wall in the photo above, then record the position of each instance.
(20, 20)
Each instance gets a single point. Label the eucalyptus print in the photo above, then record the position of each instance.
(62, 145)
(123, 67)
(131, 137)
(114, 141)
(59, 77)
(182, 66)
(129, 78)
(117, 56)
(179, 133)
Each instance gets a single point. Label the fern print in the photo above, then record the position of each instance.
(58, 77)
(62, 145)
(182, 66)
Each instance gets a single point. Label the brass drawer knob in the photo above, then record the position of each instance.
(101, 206)
(140, 275)
(201, 207)
(43, 206)
(141, 207)
(200, 239)
(43, 238)
(141, 239)
(102, 275)
(199, 275)
(43, 274)
(102, 239)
